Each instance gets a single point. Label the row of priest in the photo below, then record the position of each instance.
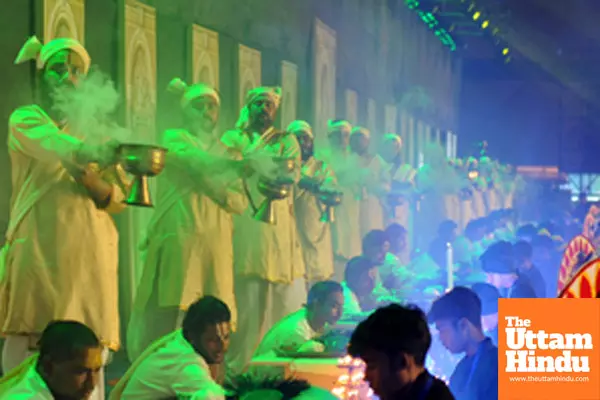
(245, 215)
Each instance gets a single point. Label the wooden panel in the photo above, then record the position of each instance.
(372, 116)
(391, 119)
(352, 106)
(205, 56)
(289, 86)
(140, 99)
(64, 18)
(250, 65)
(324, 75)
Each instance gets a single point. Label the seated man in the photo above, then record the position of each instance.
(359, 288)
(457, 316)
(498, 262)
(67, 366)
(177, 365)
(393, 342)
(300, 331)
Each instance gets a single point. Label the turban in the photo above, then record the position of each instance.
(189, 93)
(273, 93)
(300, 126)
(359, 130)
(335, 125)
(392, 137)
(33, 49)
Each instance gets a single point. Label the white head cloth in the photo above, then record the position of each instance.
(273, 93)
(34, 50)
(188, 93)
(391, 138)
(359, 130)
(336, 125)
(300, 126)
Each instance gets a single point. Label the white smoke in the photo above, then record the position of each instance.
(90, 109)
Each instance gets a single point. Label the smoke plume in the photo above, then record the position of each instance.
(90, 109)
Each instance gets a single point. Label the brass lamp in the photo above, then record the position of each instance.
(142, 161)
(331, 199)
(275, 189)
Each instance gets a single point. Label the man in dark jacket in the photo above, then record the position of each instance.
(523, 256)
(457, 316)
(393, 342)
(498, 262)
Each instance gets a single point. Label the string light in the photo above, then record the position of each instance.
(432, 23)
(485, 24)
(476, 15)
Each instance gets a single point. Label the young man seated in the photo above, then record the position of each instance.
(178, 365)
(393, 342)
(67, 367)
(457, 316)
(362, 293)
(300, 332)
(498, 263)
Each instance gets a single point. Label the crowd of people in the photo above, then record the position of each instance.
(220, 287)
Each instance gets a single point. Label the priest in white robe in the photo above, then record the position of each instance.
(189, 247)
(346, 236)
(314, 232)
(60, 257)
(374, 181)
(268, 264)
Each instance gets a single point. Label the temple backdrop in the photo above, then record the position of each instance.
(373, 62)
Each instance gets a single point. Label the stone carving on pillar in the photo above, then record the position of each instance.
(64, 18)
(324, 75)
(351, 106)
(140, 70)
(205, 56)
(391, 118)
(250, 66)
(140, 113)
(372, 116)
(289, 86)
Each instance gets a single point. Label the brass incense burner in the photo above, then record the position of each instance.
(142, 161)
(330, 199)
(397, 196)
(274, 189)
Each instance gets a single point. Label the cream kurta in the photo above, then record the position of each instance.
(404, 175)
(345, 230)
(268, 265)
(376, 185)
(189, 248)
(314, 235)
(61, 252)
(269, 252)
